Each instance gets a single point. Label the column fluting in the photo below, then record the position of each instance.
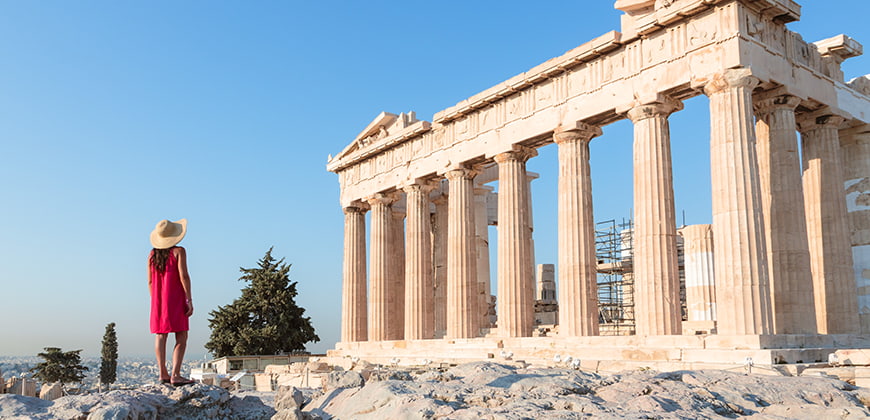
(656, 272)
(461, 256)
(578, 289)
(516, 286)
(396, 295)
(481, 192)
(353, 293)
(827, 225)
(742, 288)
(855, 151)
(439, 261)
(419, 291)
(785, 227)
(380, 317)
(700, 276)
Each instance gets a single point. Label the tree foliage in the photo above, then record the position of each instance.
(59, 366)
(109, 359)
(265, 319)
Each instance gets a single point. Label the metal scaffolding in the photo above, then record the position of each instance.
(613, 246)
(614, 250)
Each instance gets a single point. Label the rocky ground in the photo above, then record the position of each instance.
(479, 390)
(493, 391)
(192, 402)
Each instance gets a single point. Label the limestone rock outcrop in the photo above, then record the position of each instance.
(148, 402)
(489, 390)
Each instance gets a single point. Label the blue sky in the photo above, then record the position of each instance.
(114, 115)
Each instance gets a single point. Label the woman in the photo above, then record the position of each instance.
(171, 305)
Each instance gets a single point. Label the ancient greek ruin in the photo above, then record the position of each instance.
(782, 275)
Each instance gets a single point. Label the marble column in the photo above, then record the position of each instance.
(827, 224)
(785, 227)
(396, 295)
(700, 277)
(481, 228)
(656, 272)
(462, 319)
(380, 316)
(855, 148)
(578, 289)
(516, 286)
(742, 288)
(419, 296)
(353, 293)
(439, 260)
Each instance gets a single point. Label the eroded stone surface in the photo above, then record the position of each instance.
(149, 402)
(483, 390)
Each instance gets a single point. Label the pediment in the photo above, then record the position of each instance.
(634, 6)
(384, 127)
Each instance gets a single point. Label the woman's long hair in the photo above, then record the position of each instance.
(159, 257)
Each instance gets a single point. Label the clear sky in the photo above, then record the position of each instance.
(114, 115)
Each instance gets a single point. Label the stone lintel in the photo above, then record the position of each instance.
(822, 116)
(841, 46)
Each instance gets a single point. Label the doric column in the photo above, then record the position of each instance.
(700, 280)
(380, 316)
(827, 225)
(578, 290)
(439, 260)
(742, 289)
(516, 286)
(419, 296)
(785, 227)
(462, 321)
(855, 148)
(656, 272)
(481, 228)
(396, 295)
(353, 292)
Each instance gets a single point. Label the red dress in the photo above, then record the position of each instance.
(168, 300)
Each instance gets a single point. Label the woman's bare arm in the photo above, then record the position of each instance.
(185, 277)
(149, 271)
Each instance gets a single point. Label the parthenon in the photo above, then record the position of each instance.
(783, 271)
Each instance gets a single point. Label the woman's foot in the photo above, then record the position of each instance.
(164, 380)
(180, 381)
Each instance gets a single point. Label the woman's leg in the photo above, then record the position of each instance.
(178, 354)
(160, 351)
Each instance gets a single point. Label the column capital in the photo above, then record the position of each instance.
(577, 131)
(519, 153)
(662, 107)
(730, 79)
(821, 118)
(770, 101)
(385, 199)
(461, 172)
(358, 208)
(424, 186)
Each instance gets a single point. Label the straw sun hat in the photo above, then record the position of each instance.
(168, 234)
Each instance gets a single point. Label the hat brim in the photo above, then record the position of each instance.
(163, 242)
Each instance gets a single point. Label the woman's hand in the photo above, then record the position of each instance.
(189, 305)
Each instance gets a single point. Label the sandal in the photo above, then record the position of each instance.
(165, 381)
(183, 382)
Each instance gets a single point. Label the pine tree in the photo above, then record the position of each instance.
(265, 319)
(59, 366)
(109, 360)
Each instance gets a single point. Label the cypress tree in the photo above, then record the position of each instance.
(265, 319)
(109, 360)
